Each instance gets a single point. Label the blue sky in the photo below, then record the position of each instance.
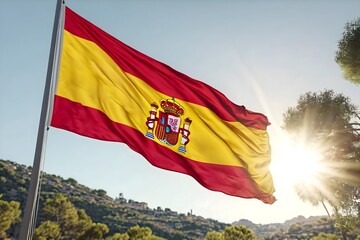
(261, 54)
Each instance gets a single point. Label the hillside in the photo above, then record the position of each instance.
(120, 213)
(296, 228)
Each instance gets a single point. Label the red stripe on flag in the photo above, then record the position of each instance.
(161, 77)
(92, 123)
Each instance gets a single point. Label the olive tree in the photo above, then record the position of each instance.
(331, 123)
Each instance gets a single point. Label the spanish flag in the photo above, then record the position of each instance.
(110, 91)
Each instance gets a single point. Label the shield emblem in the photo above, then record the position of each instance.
(168, 128)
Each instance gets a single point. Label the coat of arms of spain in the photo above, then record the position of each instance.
(168, 124)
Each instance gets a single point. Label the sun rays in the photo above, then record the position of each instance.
(300, 163)
(312, 170)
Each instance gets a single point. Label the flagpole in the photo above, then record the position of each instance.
(28, 223)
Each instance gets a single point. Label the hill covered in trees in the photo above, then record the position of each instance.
(121, 214)
(295, 228)
(118, 214)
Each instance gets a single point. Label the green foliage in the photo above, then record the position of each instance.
(141, 233)
(3, 180)
(71, 181)
(99, 192)
(61, 211)
(9, 214)
(71, 223)
(238, 233)
(84, 222)
(119, 236)
(135, 233)
(294, 228)
(329, 122)
(348, 54)
(213, 235)
(67, 222)
(95, 232)
(231, 233)
(318, 113)
(324, 236)
(348, 224)
(47, 230)
(118, 215)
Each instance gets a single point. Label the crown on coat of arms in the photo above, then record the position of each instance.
(172, 107)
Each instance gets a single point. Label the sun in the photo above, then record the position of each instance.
(316, 171)
(298, 163)
(304, 164)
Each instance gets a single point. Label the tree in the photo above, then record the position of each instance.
(348, 54)
(72, 222)
(61, 211)
(141, 233)
(71, 181)
(294, 228)
(348, 223)
(47, 230)
(329, 123)
(138, 232)
(238, 233)
(95, 232)
(213, 235)
(232, 233)
(119, 236)
(99, 192)
(9, 214)
(84, 222)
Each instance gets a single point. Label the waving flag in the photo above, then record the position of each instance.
(109, 91)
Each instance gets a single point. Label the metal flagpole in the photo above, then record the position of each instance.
(28, 223)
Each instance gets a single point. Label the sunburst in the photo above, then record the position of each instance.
(311, 169)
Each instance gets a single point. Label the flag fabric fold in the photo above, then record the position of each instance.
(110, 91)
